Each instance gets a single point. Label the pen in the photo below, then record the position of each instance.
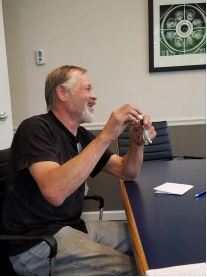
(200, 193)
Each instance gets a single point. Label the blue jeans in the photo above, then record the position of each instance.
(105, 250)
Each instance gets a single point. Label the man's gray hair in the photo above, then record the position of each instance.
(59, 76)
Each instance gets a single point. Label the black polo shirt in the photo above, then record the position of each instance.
(26, 211)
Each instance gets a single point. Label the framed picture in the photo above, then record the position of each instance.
(177, 35)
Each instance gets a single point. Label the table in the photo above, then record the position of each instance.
(167, 230)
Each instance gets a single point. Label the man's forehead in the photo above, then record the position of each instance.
(82, 77)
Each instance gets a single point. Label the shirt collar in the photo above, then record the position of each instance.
(62, 126)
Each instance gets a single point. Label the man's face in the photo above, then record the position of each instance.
(82, 98)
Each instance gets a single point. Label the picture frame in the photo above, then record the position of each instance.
(177, 35)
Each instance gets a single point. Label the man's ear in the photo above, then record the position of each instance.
(61, 92)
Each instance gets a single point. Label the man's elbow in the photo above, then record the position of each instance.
(130, 176)
(55, 199)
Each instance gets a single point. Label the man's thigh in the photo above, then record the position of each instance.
(81, 254)
(112, 233)
(78, 254)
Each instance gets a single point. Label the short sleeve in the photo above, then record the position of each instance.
(34, 142)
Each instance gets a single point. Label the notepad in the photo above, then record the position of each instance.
(173, 188)
(182, 270)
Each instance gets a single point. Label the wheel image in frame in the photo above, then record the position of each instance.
(182, 29)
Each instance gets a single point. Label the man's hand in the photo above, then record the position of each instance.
(136, 131)
(129, 166)
(120, 119)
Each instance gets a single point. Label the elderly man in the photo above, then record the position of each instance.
(51, 158)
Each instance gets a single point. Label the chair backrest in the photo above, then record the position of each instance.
(5, 266)
(4, 155)
(160, 149)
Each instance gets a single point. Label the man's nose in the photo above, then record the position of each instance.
(93, 95)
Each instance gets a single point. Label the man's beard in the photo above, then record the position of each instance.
(87, 116)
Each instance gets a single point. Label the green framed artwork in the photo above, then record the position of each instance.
(177, 35)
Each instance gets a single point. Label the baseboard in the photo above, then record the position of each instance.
(107, 215)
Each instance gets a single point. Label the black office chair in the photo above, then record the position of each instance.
(160, 149)
(5, 265)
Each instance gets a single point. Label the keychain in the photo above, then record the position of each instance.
(146, 137)
(145, 134)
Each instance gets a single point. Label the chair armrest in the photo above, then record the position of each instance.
(51, 241)
(96, 198)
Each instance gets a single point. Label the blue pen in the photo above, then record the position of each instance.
(200, 193)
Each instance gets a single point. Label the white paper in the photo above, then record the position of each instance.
(173, 188)
(181, 270)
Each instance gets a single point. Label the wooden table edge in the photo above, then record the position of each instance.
(140, 258)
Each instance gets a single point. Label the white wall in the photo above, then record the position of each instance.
(6, 127)
(110, 39)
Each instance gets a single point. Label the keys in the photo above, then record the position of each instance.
(146, 137)
(145, 134)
